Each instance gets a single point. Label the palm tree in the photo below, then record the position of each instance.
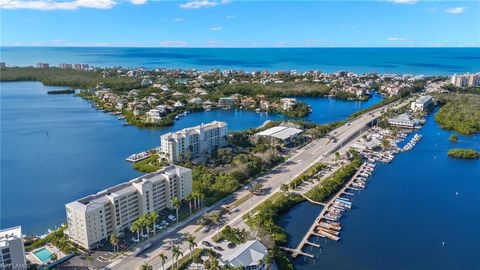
(176, 254)
(153, 219)
(190, 198)
(163, 259)
(284, 188)
(213, 262)
(216, 218)
(135, 227)
(176, 204)
(252, 189)
(53, 257)
(201, 198)
(191, 244)
(146, 266)
(114, 241)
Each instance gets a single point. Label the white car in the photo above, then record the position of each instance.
(135, 240)
(165, 223)
(172, 218)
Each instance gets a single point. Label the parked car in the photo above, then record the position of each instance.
(231, 245)
(218, 248)
(206, 243)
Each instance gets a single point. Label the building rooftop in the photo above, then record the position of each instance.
(126, 187)
(423, 99)
(246, 254)
(10, 234)
(193, 130)
(280, 132)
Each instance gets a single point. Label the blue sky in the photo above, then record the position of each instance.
(224, 23)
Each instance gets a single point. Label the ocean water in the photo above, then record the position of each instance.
(428, 61)
(408, 209)
(56, 148)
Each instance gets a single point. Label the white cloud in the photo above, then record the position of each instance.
(397, 39)
(53, 5)
(138, 2)
(230, 16)
(455, 10)
(216, 28)
(403, 1)
(173, 43)
(178, 19)
(203, 4)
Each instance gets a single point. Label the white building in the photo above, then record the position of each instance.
(422, 103)
(195, 141)
(247, 255)
(403, 121)
(288, 103)
(466, 80)
(287, 135)
(12, 252)
(93, 218)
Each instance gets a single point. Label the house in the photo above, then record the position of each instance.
(264, 104)
(247, 102)
(403, 121)
(288, 103)
(246, 256)
(178, 105)
(226, 102)
(196, 101)
(283, 134)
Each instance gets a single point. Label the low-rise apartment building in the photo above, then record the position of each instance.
(12, 252)
(194, 142)
(93, 218)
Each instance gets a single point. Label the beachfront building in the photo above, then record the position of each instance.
(466, 80)
(92, 219)
(43, 65)
(12, 252)
(246, 256)
(288, 103)
(193, 142)
(422, 103)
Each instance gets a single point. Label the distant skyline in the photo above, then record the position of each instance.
(225, 23)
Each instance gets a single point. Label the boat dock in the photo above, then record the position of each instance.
(142, 155)
(326, 225)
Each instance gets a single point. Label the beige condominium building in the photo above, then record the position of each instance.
(95, 217)
(194, 141)
(12, 253)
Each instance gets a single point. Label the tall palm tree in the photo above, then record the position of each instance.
(176, 254)
(153, 217)
(146, 266)
(163, 259)
(252, 189)
(284, 188)
(191, 244)
(176, 204)
(114, 241)
(135, 227)
(190, 198)
(216, 218)
(201, 198)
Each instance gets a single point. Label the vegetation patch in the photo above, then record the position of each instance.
(463, 153)
(310, 172)
(460, 113)
(57, 238)
(453, 138)
(234, 235)
(332, 184)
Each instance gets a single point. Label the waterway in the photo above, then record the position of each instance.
(56, 148)
(409, 216)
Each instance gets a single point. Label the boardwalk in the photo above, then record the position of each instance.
(321, 231)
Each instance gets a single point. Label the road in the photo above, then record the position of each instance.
(304, 158)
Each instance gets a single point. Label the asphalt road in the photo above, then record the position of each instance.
(271, 182)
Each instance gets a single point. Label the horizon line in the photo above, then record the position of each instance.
(239, 47)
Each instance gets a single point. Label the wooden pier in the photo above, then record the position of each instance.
(321, 231)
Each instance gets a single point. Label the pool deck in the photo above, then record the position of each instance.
(53, 249)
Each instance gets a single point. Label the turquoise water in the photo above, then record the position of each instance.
(408, 209)
(436, 61)
(43, 254)
(56, 148)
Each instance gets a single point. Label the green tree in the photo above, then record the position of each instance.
(190, 198)
(284, 188)
(153, 217)
(163, 259)
(114, 241)
(146, 266)
(176, 204)
(176, 254)
(136, 227)
(191, 244)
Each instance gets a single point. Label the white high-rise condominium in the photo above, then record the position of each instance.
(93, 218)
(12, 252)
(194, 141)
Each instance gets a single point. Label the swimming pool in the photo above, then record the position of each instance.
(43, 254)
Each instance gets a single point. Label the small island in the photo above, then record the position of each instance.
(453, 138)
(463, 153)
(459, 112)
